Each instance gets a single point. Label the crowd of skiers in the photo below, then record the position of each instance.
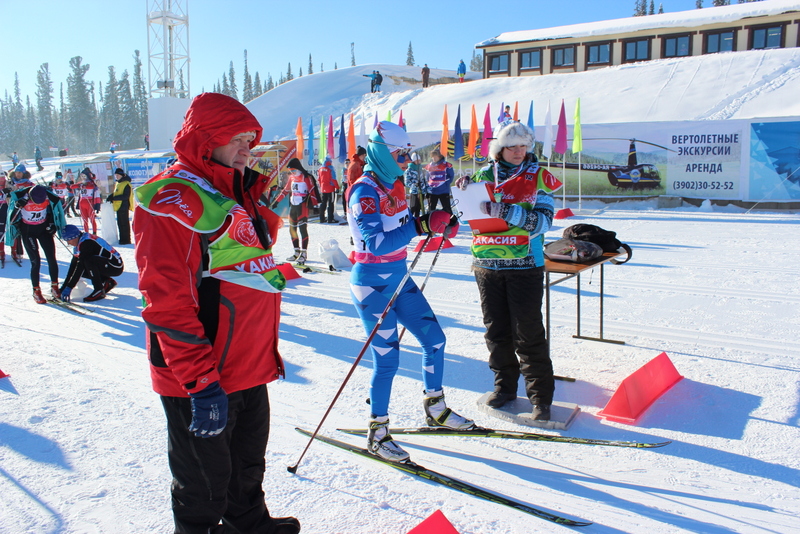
(33, 216)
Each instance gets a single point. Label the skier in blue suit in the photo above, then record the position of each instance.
(382, 226)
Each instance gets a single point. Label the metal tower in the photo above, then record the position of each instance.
(168, 48)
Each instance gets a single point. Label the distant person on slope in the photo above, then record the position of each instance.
(426, 73)
(92, 258)
(302, 191)
(372, 78)
(461, 71)
(382, 227)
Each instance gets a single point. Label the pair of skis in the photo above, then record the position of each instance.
(71, 306)
(306, 268)
(471, 489)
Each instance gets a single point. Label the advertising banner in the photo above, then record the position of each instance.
(141, 170)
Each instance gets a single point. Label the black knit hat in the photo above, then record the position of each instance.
(294, 163)
(360, 151)
(119, 171)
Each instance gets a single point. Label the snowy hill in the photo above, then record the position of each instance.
(734, 85)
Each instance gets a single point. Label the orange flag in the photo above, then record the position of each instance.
(473, 134)
(443, 148)
(516, 111)
(351, 138)
(298, 132)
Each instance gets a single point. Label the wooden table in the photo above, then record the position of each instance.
(572, 270)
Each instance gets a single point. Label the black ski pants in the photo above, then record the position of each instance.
(433, 200)
(124, 225)
(511, 301)
(32, 237)
(97, 269)
(326, 208)
(220, 478)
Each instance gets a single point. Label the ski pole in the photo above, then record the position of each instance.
(293, 468)
(425, 281)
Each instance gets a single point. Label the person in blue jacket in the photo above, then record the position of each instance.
(440, 180)
(382, 227)
(462, 71)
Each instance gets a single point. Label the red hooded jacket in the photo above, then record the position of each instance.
(194, 340)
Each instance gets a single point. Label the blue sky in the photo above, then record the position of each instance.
(275, 33)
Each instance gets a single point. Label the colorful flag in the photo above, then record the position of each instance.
(516, 111)
(351, 138)
(443, 148)
(458, 137)
(389, 116)
(362, 134)
(487, 132)
(376, 121)
(502, 116)
(330, 137)
(298, 133)
(473, 134)
(401, 121)
(561, 134)
(310, 142)
(577, 138)
(323, 143)
(342, 142)
(547, 148)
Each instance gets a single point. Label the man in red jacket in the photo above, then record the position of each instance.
(212, 305)
(328, 186)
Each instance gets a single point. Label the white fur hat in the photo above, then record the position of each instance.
(510, 133)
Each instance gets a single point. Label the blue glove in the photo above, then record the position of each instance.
(209, 411)
(66, 291)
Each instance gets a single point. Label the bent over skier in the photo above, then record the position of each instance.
(381, 227)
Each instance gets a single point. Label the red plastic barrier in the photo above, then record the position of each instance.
(3, 375)
(564, 213)
(641, 389)
(437, 523)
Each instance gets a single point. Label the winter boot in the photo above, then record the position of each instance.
(294, 256)
(301, 259)
(541, 412)
(97, 294)
(438, 414)
(38, 297)
(286, 525)
(500, 398)
(380, 442)
(55, 291)
(109, 284)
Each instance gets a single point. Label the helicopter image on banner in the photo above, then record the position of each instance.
(634, 175)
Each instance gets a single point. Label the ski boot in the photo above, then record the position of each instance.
(380, 442)
(109, 284)
(294, 256)
(55, 291)
(541, 412)
(301, 259)
(95, 295)
(438, 414)
(38, 297)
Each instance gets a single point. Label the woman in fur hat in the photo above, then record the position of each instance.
(509, 268)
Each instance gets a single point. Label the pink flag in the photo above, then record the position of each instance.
(561, 134)
(330, 136)
(487, 132)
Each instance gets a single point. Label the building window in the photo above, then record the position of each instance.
(498, 63)
(564, 57)
(720, 42)
(598, 54)
(678, 46)
(530, 60)
(766, 37)
(638, 50)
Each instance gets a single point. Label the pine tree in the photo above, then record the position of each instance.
(225, 88)
(321, 68)
(30, 128)
(234, 92)
(300, 74)
(16, 118)
(476, 64)
(410, 55)
(660, 8)
(127, 132)
(247, 89)
(310, 65)
(270, 84)
(699, 4)
(289, 73)
(139, 96)
(652, 10)
(282, 79)
(81, 113)
(722, 2)
(335, 66)
(62, 118)
(637, 8)
(46, 134)
(109, 114)
(257, 88)
(352, 54)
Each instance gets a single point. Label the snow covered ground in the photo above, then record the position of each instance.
(83, 441)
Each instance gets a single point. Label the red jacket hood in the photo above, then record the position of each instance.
(211, 121)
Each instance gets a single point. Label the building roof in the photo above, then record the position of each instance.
(681, 19)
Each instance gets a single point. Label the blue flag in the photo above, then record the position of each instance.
(458, 137)
(310, 141)
(530, 118)
(342, 142)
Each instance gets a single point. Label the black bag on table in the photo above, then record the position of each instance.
(606, 239)
(573, 250)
